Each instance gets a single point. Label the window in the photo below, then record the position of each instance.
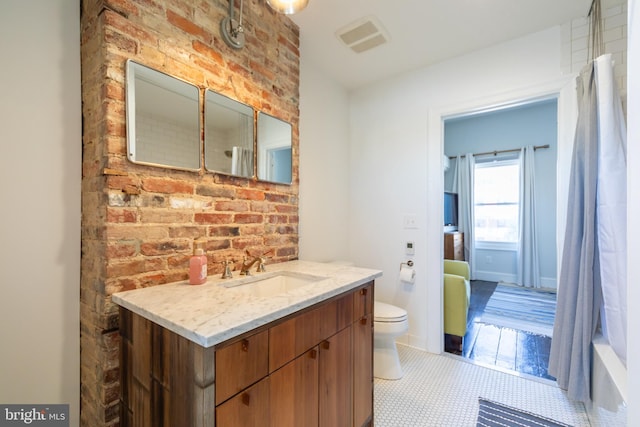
(496, 197)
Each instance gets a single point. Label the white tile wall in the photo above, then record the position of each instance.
(169, 141)
(575, 44)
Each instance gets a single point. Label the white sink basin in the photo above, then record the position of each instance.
(276, 283)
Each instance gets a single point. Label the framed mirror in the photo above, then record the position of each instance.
(274, 149)
(163, 119)
(228, 136)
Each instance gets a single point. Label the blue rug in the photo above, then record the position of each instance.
(521, 308)
(493, 414)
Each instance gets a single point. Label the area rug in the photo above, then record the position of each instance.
(496, 414)
(521, 308)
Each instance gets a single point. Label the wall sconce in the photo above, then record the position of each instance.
(287, 7)
(232, 30)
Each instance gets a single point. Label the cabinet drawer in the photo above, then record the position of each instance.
(298, 334)
(247, 409)
(241, 364)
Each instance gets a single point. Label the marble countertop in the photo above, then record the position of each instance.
(211, 313)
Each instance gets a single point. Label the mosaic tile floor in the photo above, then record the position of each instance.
(443, 390)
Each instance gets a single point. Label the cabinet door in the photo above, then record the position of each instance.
(336, 380)
(248, 409)
(294, 392)
(363, 371)
(241, 364)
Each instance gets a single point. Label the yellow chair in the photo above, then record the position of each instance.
(457, 296)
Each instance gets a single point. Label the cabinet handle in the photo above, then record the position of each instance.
(313, 354)
(246, 398)
(326, 345)
(245, 345)
(363, 321)
(363, 291)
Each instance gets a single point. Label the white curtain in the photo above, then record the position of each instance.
(528, 264)
(242, 162)
(463, 185)
(612, 206)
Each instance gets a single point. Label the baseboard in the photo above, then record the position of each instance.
(414, 341)
(492, 276)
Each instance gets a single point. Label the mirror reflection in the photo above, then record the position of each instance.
(163, 125)
(228, 137)
(274, 149)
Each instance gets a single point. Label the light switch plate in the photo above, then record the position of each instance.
(410, 221)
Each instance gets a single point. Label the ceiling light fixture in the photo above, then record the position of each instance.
(288, 7)
(232, 30)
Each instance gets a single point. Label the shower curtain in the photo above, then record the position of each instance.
(463, 185)
(594, 255)
(242, 161)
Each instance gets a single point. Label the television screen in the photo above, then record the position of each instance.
(450, 209)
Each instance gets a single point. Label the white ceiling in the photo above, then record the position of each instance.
(422, 32)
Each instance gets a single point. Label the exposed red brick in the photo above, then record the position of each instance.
(224, 231)
(212, 218)
(278, 219)
(250, 194)
(139, 225)
(121, 250)
(164, 247)
(167, 186)
(287, 208)
(187, 26)
(235, 206)
(248, 218)
(276, 198)
(211, 54)
(121, 215)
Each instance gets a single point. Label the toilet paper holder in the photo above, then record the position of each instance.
(408, 263)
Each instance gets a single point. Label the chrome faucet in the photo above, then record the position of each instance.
(245, 270)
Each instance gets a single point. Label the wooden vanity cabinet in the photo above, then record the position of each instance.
(312, 368)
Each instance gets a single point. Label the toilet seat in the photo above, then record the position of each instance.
(387, 313)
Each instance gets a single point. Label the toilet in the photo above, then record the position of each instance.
(389, 322)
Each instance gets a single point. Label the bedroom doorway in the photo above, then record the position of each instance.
(498, 330)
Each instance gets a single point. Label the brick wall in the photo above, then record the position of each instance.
(139, 222)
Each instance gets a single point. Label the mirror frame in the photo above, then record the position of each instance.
(136, 71)
(241, 110)
(265, 121)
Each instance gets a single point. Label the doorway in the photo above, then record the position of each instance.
(494, 138)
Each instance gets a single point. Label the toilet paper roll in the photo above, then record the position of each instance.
(407, 274)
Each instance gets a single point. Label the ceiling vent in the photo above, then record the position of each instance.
(363, 34)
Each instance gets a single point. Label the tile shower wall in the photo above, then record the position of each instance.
(139, 222)
(575, 44)
(168, 139)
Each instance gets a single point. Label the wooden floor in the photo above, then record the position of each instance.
(503, 347)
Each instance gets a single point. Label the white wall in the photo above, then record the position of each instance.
(324, 166)
(396, 154)
(40, 172)
(633, 213)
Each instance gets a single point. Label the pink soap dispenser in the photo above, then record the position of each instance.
(198, 268)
